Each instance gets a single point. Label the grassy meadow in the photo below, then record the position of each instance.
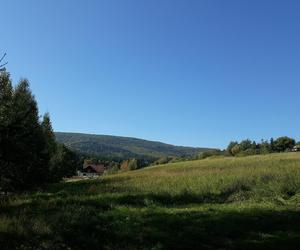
(222, 203)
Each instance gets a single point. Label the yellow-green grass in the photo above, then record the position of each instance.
(224, 203)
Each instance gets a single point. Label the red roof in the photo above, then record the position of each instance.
(99, 168)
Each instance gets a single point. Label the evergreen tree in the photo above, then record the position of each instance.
(29, 155)
(6, 97)
(49, 134)
(272, 146)
(25, 156)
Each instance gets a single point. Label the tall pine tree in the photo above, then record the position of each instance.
(6, 102)
(25, 157)
(49, 134)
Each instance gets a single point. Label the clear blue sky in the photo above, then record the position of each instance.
(197, 73)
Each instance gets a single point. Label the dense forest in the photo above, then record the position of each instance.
(121, 148)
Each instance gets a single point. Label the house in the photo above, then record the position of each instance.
(92, 170)
(296, 148)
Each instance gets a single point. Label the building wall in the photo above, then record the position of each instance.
(81, 174)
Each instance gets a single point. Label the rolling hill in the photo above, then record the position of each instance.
(122, 147)
(225, 203)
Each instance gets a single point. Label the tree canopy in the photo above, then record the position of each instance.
(27, 145)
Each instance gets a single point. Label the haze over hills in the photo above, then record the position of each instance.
(122, 147)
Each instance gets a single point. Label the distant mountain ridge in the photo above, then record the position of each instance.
(122, 147)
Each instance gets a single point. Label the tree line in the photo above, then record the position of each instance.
(29, 154)
(248, 147)
(242, 148)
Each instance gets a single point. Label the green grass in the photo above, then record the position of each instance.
(224, 203)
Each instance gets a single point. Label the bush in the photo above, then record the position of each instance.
(133, 164)
(209, 153)
(64, 163)
(162, 160)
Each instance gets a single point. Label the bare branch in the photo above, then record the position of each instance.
(2, 68)
(3, 64)
(2, 58)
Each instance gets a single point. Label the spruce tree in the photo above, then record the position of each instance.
(24, 154)
(6, 96)
(29, 155)
(63, 162)
(49, 134)
(30, 146)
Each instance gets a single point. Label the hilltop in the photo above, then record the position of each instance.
(122, 147)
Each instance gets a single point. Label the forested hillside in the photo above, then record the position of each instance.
(122, 147)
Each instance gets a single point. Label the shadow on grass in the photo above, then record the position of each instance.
(87, 228)
(90, 215)
(124, 195)
(84, 187)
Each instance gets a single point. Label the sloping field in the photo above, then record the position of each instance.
(225, 203)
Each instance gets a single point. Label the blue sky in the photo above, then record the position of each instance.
(197, 73)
